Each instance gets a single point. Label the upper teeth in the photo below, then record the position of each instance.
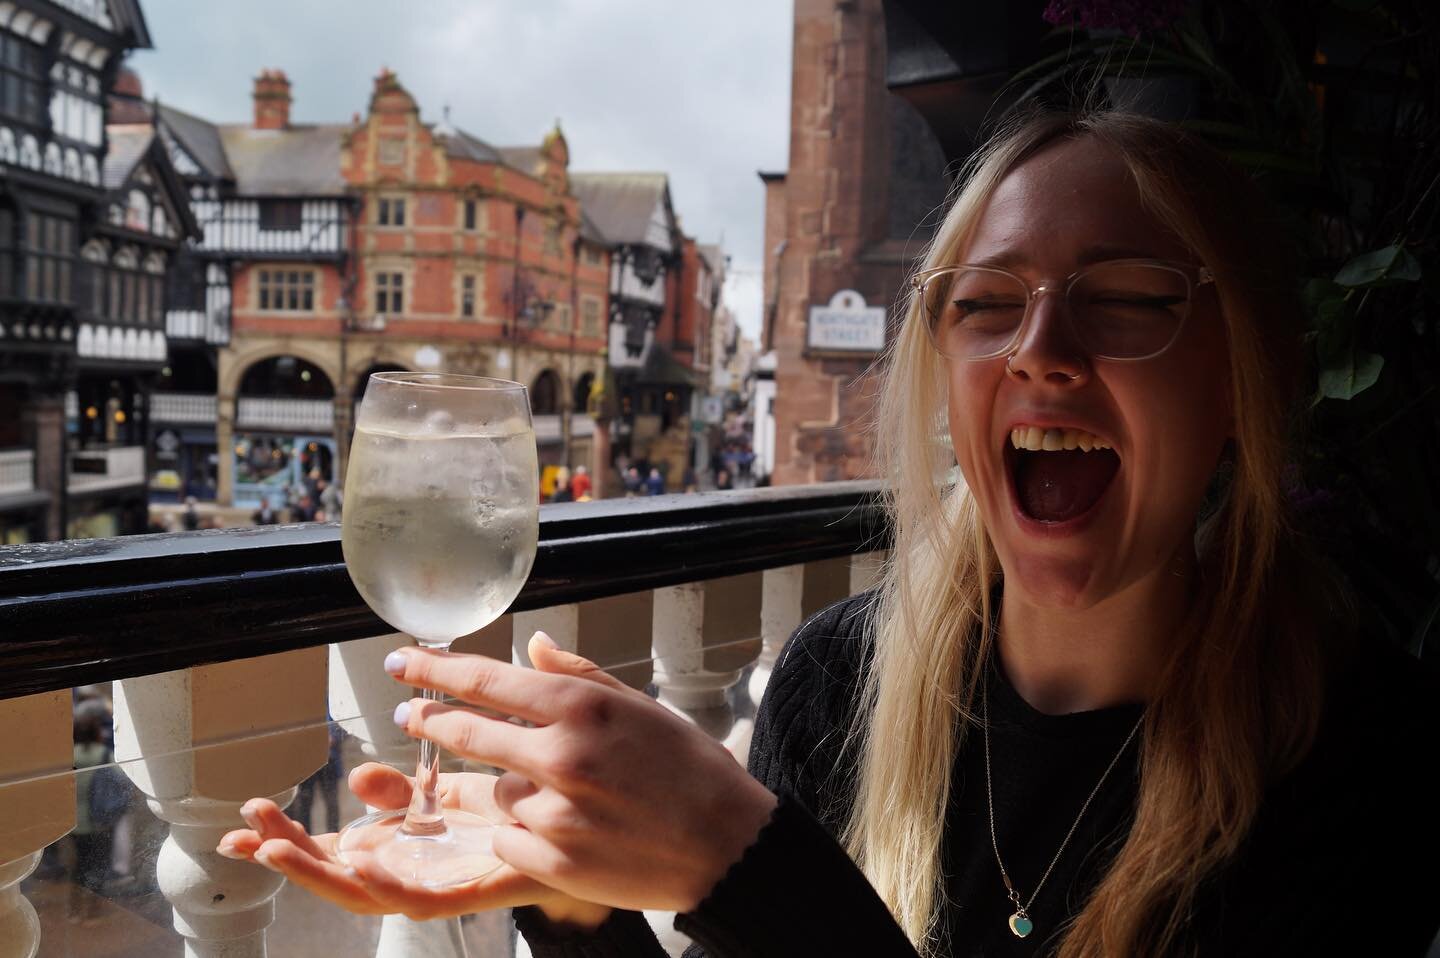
(1035, 439)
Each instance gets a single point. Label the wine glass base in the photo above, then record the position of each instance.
(459, 854)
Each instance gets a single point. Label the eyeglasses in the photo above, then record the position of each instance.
(1124, 309)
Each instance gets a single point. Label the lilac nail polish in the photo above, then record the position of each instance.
(251, 817)
(402, 714)
(395, 663)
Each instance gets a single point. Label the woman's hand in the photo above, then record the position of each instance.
(618, 800)
(280, 844)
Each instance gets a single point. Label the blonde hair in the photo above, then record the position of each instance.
(1239, 701)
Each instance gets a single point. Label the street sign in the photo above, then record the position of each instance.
(846, 325)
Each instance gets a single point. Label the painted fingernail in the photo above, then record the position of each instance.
(395, 663)
(263, 857)
(545, 640)
(402, 714)
(252, 818)
(229, 851)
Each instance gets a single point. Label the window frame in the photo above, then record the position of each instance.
(389, 286)
(292, 220)
(30, 78)
(284, 285)
(590, 325)
(469, 287)
(390, 212)
(470, 215)
(49, 250)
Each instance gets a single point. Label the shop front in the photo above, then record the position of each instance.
(279, 470)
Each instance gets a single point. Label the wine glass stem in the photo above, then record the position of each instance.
(424, 818)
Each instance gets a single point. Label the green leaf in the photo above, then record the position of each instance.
(1319, 296)
(1381, 267)
(1355, 374)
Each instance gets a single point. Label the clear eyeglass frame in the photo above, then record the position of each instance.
(1195, 277)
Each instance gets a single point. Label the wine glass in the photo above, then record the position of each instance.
(439, 533)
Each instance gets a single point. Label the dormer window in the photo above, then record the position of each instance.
(281, 215)
(137, 211)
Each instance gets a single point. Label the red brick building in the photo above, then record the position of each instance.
(847, 217)
(383, 243)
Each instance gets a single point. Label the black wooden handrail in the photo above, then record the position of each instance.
(97, 610)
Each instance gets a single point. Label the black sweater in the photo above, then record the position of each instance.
(1344, 859)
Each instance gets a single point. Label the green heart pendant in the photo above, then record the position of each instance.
(1021, 925)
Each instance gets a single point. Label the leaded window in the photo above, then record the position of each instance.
(22, 79)
(49, 258)
(389, 293)
(286, 290)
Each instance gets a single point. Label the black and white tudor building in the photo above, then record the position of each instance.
(78, 268)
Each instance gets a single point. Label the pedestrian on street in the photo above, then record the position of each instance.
(190, 518)
(330, 499)
(654, 483)
(580, 484)
(265, 515)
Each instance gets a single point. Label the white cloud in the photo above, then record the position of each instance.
(699, 91)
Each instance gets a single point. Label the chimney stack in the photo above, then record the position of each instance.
(272, 100)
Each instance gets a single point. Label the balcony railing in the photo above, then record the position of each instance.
(227, 649)
(92, 470)
(236, 226)
(17, 471)
(290, 415)
(183, 408)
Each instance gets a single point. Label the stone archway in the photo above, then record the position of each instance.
(545, 394)
(580, 399)
(358, 390)
(273, 391)
(235, 363)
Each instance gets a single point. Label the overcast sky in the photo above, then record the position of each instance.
(700, 91)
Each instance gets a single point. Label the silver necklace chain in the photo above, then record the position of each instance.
(1020, 922)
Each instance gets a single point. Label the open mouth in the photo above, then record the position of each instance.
(1053, 483)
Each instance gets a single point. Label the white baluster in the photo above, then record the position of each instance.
(866, 570)
(614, 633)
(792, 595)
(780, 616)
(705, 635)
(37, 808)
(363, 697)
(195, 743)
(19, 925)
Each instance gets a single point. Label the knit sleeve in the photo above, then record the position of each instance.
(799, 729)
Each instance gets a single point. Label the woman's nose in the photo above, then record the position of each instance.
(1047, 349)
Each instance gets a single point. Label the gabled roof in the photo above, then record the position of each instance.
(464, 146)
(126, 16)
(589, 232)
(620, 204)
(134, 144)
(295, 161)
(526, 159)
(199, 138)
(128, 144)
(713, 255)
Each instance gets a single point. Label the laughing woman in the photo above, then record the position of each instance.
(1103, 702)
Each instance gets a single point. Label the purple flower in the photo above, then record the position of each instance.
(1134, 17)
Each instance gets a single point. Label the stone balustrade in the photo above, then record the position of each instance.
(17, 471)
(197, 741)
